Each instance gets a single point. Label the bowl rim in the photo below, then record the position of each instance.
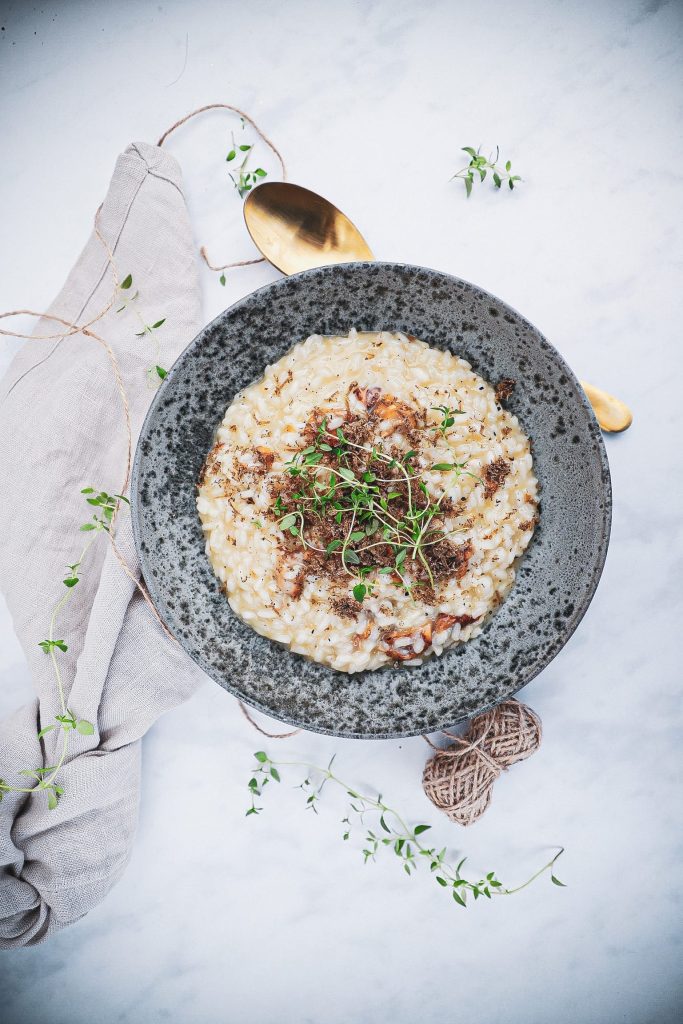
(603, 536)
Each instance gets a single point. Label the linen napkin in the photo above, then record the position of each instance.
(62, 429)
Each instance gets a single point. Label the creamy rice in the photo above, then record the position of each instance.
(355, 396)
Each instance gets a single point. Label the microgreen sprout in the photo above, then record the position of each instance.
(480, 165)
(447, 417)
(458, 468)
(391, 833)
(328, 488)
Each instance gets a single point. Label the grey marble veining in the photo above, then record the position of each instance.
(274, 918)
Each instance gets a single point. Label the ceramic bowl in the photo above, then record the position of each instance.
(556, 578)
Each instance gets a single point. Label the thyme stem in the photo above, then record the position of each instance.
(405, 841)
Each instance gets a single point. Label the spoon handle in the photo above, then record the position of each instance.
(612, 414)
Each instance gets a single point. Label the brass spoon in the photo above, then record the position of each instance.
(296, 229)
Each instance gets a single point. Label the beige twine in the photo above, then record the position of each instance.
(459, 778)
(273, 148)
(72, 329)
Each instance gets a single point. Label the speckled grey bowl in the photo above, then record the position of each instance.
(555, 580)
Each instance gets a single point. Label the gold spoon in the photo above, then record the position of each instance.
(296, 229)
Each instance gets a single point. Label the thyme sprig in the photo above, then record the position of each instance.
(155, 372)
(391, 833)
(106, 506)
(338, 491)
(479, 166)
(242, 178)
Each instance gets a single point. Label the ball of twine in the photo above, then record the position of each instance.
(459, 778)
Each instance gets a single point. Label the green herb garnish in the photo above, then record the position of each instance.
(243, 180)
(394, 835)
(447, 417)
(155, 372)
(479, 166)
(360, 497)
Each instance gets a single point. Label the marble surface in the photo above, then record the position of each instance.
(274, 918)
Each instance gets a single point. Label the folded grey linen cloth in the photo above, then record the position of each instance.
(61, 429)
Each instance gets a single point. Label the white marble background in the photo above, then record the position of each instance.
(274, 919)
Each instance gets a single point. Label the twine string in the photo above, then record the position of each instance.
(73, 328)
(459, 778)
(270, 735)
(262, 135)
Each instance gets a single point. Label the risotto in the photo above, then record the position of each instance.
(365, 501)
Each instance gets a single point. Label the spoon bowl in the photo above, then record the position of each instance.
(296, 229)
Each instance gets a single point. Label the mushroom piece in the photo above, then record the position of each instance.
(362, 400)
(266, 456)
(445, 621)
(415, 637)
(394, 413)
(404, 644)
(292, 583)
